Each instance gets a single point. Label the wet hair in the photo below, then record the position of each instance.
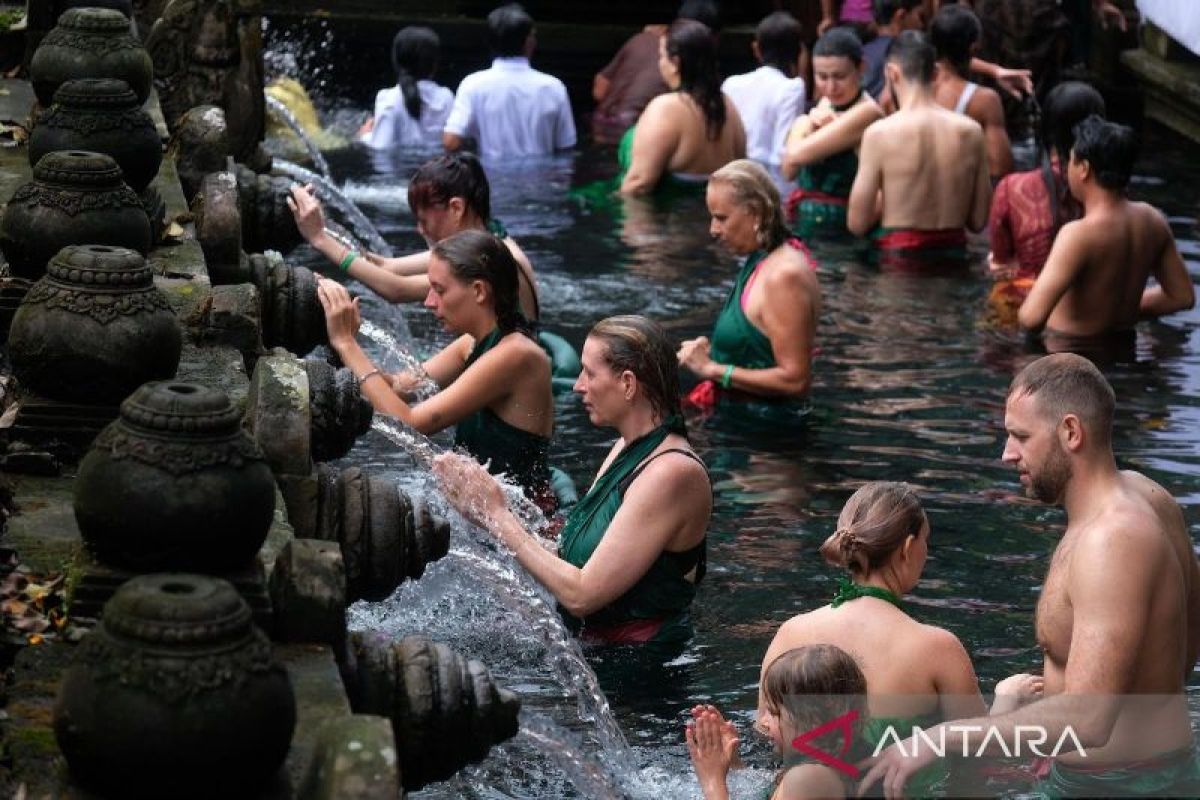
(754, 190)
(640, 345)
(839, 42)
(703, 11)
(1066, 105)
(414, 57)
(1109, 148)
(814, 684)
(475, 255)
(912, 52)
(884, 10)
(451, 175)
(694, 45)
(779, 38)
(953, 32)
(1066, 383)
(874, 523)
(508, 28)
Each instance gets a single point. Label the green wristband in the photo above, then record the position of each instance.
(347, 260)
(727, 378)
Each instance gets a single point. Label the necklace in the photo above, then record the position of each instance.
(848, 590)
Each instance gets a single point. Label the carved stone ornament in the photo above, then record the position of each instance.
(101, 115)
(90, 43)
(75, 197)
(204, 54)
(292, 316)
(175, 483)
(340, 413)
(94, 328)
(175, 694)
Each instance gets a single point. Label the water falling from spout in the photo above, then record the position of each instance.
(589, 775)
(283, 113)
(358, 221)
(426, 386)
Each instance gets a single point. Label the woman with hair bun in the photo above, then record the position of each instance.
(918, 675)
(762, 342)
(494, 379)
(627, 563)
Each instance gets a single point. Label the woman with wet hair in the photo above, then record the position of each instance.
(447, 194)
(494, 378)
(821, 152)
(917, 674)
(762, 343)
(692, 130)
(627, 563)
(413, 112)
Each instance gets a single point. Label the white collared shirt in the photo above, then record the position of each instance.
(513, 110)
(395, 127)
(768, 103)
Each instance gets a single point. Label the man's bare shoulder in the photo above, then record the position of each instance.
(1153, 494)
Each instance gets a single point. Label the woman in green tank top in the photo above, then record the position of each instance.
(762, 343)
(917, 674)
(627, 563)
(494, 379)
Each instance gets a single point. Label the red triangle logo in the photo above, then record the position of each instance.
(845, 726)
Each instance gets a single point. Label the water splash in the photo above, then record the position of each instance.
(283, 113)
(426, 386)
(333, 195)
(559, 745)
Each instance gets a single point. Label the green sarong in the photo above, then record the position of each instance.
(1174, 774)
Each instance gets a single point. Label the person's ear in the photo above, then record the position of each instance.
(1071, 433)
(479, 289)
(756, 50)
(628, 385)
(457, 206)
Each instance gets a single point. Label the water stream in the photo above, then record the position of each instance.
(333, 196)
(282, 112)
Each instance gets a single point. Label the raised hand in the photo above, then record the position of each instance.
(306, 210)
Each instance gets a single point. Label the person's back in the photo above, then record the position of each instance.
(1094, 283)
(929, 163)
(770, 98)
(955, 33)
(511, 109)
(414, 111)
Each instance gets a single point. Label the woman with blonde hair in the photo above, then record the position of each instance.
(762, 342)
(627, 563)
(917, 674)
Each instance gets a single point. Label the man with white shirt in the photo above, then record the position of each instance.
(510, 110)
(770, 98)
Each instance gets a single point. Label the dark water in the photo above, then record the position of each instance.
(909, 385)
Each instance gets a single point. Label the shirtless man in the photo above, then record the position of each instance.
(923, 170)
(1119, 612)
(955, 34)
(1093, 288)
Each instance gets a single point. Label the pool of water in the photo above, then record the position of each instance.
(909, 385)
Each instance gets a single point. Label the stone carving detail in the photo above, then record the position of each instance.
(340, 414)
(90, 43)
(94, 328)
(75, 197)
(386, 535)
(267, 222)
(102, 116)
(204, 55)
(175, 483)
(175, 694)
(446, 710)
(292, 316)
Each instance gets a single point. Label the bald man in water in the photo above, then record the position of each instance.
(922, 172)
(1118, 619)
(1093, 288)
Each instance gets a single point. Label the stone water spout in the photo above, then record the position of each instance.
(175, 483)
(387, 536)
(446, 710)
(292, 316)
(175, 694)
(267, 222)
(90, 43)
(340, 413)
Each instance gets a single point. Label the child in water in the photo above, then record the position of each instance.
(832, 687)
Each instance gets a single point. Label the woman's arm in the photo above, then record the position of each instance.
(843, 132)
(654, 142)
(788, 322)
(643, 527)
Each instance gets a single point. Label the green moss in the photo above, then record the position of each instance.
(9, 17)
(33, 741)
